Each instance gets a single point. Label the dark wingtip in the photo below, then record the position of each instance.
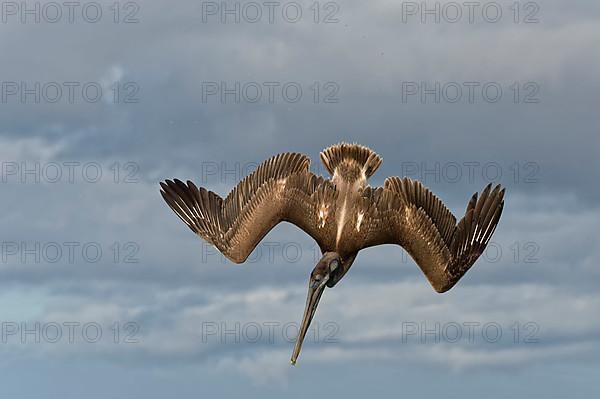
(192, 185)
(163, 194)
(474, 197)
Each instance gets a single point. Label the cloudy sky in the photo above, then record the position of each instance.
(105, 293)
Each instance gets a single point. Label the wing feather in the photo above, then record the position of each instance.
(281, 189)
(409, 214)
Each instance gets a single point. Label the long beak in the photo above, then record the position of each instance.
(315, 290)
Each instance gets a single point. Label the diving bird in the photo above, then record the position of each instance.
(342, 214)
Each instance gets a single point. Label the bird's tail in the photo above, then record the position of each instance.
(350, 156)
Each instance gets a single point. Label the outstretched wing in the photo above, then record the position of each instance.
(280, 189)
(405, 212)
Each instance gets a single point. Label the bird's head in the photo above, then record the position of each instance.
(328, 271)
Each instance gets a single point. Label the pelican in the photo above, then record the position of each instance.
(342, 214)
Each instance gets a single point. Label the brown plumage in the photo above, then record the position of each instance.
(343, 215)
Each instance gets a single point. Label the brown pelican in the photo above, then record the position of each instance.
(343, 215)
